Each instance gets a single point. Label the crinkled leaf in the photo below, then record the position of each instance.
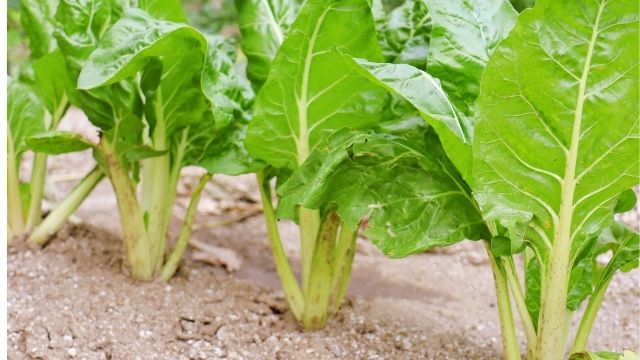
(79, 29)
(58, 142)
(263, 25)
(37, 17)
(463, 36)
(78, 34)
(218, 146)
(311, 88)
(25, 116)
(427, 204)
(540, 143)
(425, 93)
(405, 34)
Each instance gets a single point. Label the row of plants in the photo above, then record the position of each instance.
(433, 122)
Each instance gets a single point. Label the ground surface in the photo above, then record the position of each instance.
(73, 299)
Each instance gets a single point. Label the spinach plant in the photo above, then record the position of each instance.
(310, 91)
(37, 102)
(533, 168)
(164, 96)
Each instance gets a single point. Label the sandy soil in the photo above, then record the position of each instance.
(73, 299)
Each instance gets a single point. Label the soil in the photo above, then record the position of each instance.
(73, 298)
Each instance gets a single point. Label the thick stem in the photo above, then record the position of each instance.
(54, 221)
(14, 199)
(589, 317)
(507, 323)
(136, 241)
(287, 278)
(309, 226)
(319, 290)
(185, 232)
(518, 296)
(38, 175)
(343, 254)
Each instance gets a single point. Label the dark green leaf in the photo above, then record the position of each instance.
(405, 34)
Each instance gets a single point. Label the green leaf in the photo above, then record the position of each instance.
(141, 152)
(601, 355)
(406, 33)
(624, 243)
(78, 30)
(58, 142)
(412, 194)
(37, 17)
(626, 201)
(263, 25)
(52, 82)
(463, 36)
(218, 146)
(164, 9)
(533, 286)
(25, 116)
(131, 41)
(425, 93)
(580, 281)
(540, 145)
(310, 88)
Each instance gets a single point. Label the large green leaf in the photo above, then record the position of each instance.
(311, 88)
(37, 17)
(52, 82)
(25, 116)
(405, 34)
(426, 94)
(263, 25)
(407, 187)
(542, 145)
(463, 35)
(78, 34)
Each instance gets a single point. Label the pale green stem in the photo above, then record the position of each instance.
(518, 296)
(185, 232)
(344, 251)
(589, 317)
(54, 221)
(38, 175)
(287, 278)
(14, 199)
(39, 172)
(507, 323)
(319, 291)
(309, 226)
(136, 241)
